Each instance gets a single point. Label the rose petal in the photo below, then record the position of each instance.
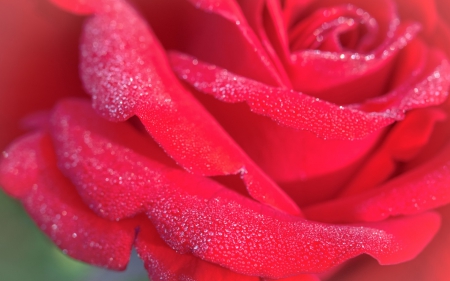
(231, 43)
(196, 215)
(27, 24)
(265, 18)
(58, 210)
(441, 37)
(421, 11)
(341, 76)
(284, 106)
(302, 277)
(82, 7)
(426, 187)
(125, 70)
(404, 142)
(55, 206)
(383, 12)
(303, 112)
(163, 263)
(432, 264)
(443, 9)
(230, 10)
(427, 84)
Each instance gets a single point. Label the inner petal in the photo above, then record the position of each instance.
(334, 29)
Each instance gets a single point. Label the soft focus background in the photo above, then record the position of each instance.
(27, 254)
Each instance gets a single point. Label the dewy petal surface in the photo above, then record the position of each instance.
(300, 111)
(197, 215)
(57, 209)
(433, 263)
(54, 205)
(125, 70)
(163, 263)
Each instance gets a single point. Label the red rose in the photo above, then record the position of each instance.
(286, 137)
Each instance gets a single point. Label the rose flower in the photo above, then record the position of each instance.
(233, 140)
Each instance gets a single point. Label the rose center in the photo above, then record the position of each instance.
(335, 29)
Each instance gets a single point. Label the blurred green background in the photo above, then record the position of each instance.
(27, 254)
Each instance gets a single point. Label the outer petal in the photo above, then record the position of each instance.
(163, 263)
(432, 264)
(57, 209)
(196, 215)
(125, 70)
(39, 42)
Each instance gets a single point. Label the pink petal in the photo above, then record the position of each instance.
(58, 210)
(125, 70)
(196, 215)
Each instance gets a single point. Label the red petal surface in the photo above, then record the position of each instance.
(383, 12)
(57, 209)
(225, 38)
(196, 215)
(402, 144)
(33, 79)
(125, 70)
(427, 84)
(82, 7)
(163, 263)
(341, 76)
(424, 188)
(432, 264)
(230, 10)
(300, 111)
(265, 19)
(302, 277)
(441, 37)
(421, 11)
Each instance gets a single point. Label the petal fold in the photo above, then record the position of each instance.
(58, 210)
(125, 70)
(198, 216)
(424, 188)
(297, 110)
